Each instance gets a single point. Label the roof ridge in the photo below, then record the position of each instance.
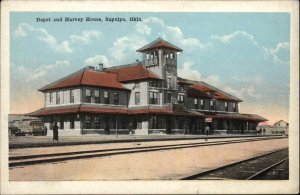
(221, 91)
(156, 41)
(215, 88)
(124, 66)
(64, 78)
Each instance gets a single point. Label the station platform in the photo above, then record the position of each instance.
(45, 141)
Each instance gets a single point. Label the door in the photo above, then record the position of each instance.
(169, 125)
(106, 125)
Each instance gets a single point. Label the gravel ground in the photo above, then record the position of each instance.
(166, 165)
(246, 169)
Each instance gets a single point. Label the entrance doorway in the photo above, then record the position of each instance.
(106, 124)
(168, 125)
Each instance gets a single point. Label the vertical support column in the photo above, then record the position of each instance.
(117, 125)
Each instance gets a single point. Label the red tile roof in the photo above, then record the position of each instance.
(238, 116)
(159, 43)
(103, 109)
(133, 72)
(55, 111)
(87, 77)
(163, 110)
(201, 90)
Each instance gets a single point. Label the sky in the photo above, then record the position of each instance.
(244, 54)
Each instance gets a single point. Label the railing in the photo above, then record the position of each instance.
(170, 61)
(150, 62)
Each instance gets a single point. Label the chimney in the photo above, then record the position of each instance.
(100, 66)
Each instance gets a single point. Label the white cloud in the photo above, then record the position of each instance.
(42, 34)
(280, 53)
(143, 28)
(44, 69)
(243, 93)
(24, 29)
(229, 37)
(86, 36)
(94, 61)
(126, 46)
(174, 33)
(187, 72)
(284, 45)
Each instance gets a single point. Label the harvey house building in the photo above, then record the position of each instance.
(146, 96)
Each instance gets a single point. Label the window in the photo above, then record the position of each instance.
(180, 122)
(234, 107)
(156, 122)
(211, 104)
(137, 98)
(226, 106)
(116, 98)
(196, 103)
(153, 83)
(88, 96)
(87, 122)
(139, 124)
(153, 97)
(168, 83)
(180, 98)
(137, 85)
(72, 122)
(201, 102)
(97, 122)
(171, 55)
(57, 98)
(62, 94)
(169, 97)
(97, 96)
(106, 97)
(51, 97)
(71, 96)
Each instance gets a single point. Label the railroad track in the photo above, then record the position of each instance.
(55, 157)
(248, 169)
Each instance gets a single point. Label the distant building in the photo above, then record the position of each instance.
(280, 127)
(146, 96)
(281, 123)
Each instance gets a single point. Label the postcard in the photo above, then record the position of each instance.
(149, 97)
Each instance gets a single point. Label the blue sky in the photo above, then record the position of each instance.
(245, 54)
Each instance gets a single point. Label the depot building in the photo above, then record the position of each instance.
(145, 97)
